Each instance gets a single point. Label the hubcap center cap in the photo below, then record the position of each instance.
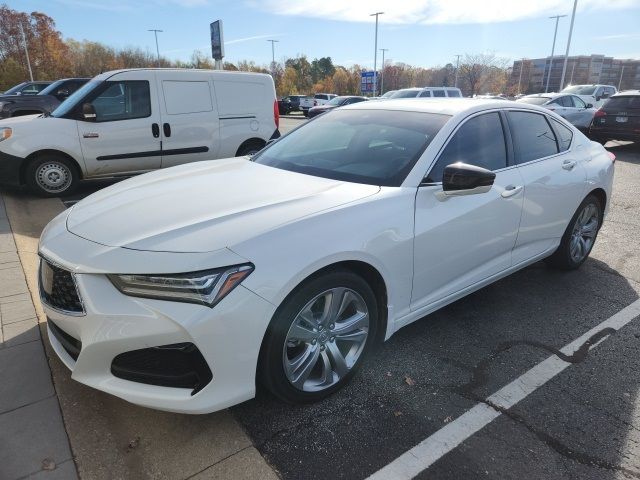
(324, 336)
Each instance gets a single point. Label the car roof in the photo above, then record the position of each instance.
(444, 105)
(548, 95)
(110, 73)
(626, 93)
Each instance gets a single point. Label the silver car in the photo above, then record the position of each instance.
(568, 106)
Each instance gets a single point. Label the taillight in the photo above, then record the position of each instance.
(276, 113)
(599, 113)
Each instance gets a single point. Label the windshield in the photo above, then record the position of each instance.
(534, 100)
(375, 147)
(51, 88)
(73, 99)
(388, 94)
(337, 101)
(14, 90)
(580, 89)
(623, 103)
(405, 94)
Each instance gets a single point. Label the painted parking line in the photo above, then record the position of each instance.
(427, 452)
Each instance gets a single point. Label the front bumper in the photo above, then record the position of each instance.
(228, 337)
(10, 168)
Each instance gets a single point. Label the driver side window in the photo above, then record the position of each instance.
(479, 141)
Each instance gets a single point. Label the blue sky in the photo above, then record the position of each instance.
(417, 32)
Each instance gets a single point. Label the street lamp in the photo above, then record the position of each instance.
(375, 55)
(566, 54)
(382, 71)
(273, 54)
(155, 32)
(520, 78)
(553, 48)
(455, 82)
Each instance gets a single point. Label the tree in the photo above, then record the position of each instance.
(476, 68)
(340, 82)
(321, 68)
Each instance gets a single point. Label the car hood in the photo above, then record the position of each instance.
(12, 121)
(205, 206)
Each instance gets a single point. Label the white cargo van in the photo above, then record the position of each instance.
(127, 122)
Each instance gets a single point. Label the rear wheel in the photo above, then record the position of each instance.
(51, 175)
(580, 235)
(250, 148)
(319, 337)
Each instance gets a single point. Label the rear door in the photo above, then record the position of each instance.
(190, 128)
(125, 136)
(554, 181)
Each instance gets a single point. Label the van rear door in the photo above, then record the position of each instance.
(190, 127)
(124, 136)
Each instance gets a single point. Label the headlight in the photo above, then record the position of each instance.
(206, 287)
(5, 132)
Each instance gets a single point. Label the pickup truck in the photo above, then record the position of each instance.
(44, 102)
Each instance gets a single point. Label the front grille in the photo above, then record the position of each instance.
(58, 289)
(70, 344)
(180, 365)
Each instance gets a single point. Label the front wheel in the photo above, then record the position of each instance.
(51, 175)
(580, 235)
(319, 337)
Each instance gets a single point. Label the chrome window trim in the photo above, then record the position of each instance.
(83, 313)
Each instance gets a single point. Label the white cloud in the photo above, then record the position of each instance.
(433, 11)
(620, 36)
(255, 37)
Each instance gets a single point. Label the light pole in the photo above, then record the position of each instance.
(375, 55)
(26, 52)
(382, 70)
(553, 48)
(155, 33)
(620, 81)
(566, 54)
(455, 82)
(520, 78)
(273, 54)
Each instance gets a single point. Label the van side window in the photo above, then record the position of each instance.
(454, 93)
(123, 100)
(439, 93)
(425, 93)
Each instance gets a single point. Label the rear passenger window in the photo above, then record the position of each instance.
(186, 97)
(454, 93)
(439, 93)
(123, 101)
(533, 137)
(479, 141)
(565, 135)
(426, 93)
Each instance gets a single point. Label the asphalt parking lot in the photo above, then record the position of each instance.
(582, 424)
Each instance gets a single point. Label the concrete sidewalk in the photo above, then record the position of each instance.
(111, 438)
(33, 440)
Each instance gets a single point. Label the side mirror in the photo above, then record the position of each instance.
(62, 93)
(589, 105)
(598, 98)
(464, 179)
(88, 112)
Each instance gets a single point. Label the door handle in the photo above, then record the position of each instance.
(569, 164)
(511, 190)
(155, 130)
(166, 128)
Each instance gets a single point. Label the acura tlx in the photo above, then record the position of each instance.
(184, 289)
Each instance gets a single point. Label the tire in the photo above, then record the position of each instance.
(51, 175)
(323, 346)
(566, 257)
(250, 148)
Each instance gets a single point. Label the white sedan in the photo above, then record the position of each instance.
(182, 289)
(570, 107)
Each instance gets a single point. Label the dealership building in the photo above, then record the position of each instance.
(531, 74)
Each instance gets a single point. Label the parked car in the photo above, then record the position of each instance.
(127, 122)
(27, 88)
(285, 105)
(322, 98)
(292, 103)
(568, 106)
(388, 94)
(44, 102)
(618, 118)
(336, 102)
(440, 92)
(182, 289)
(305, 103)
(594, 94)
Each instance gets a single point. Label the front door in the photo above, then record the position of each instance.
(462, 240)
(125, 136)
(190, 125)
(554, 181)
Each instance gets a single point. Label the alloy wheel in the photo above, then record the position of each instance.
(584, 232)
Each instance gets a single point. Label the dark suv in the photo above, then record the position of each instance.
(27, 88)
(44, 102)
(618, 118)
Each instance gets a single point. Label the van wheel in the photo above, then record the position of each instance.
(250, 148)
(51, 175)
(319, 337)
